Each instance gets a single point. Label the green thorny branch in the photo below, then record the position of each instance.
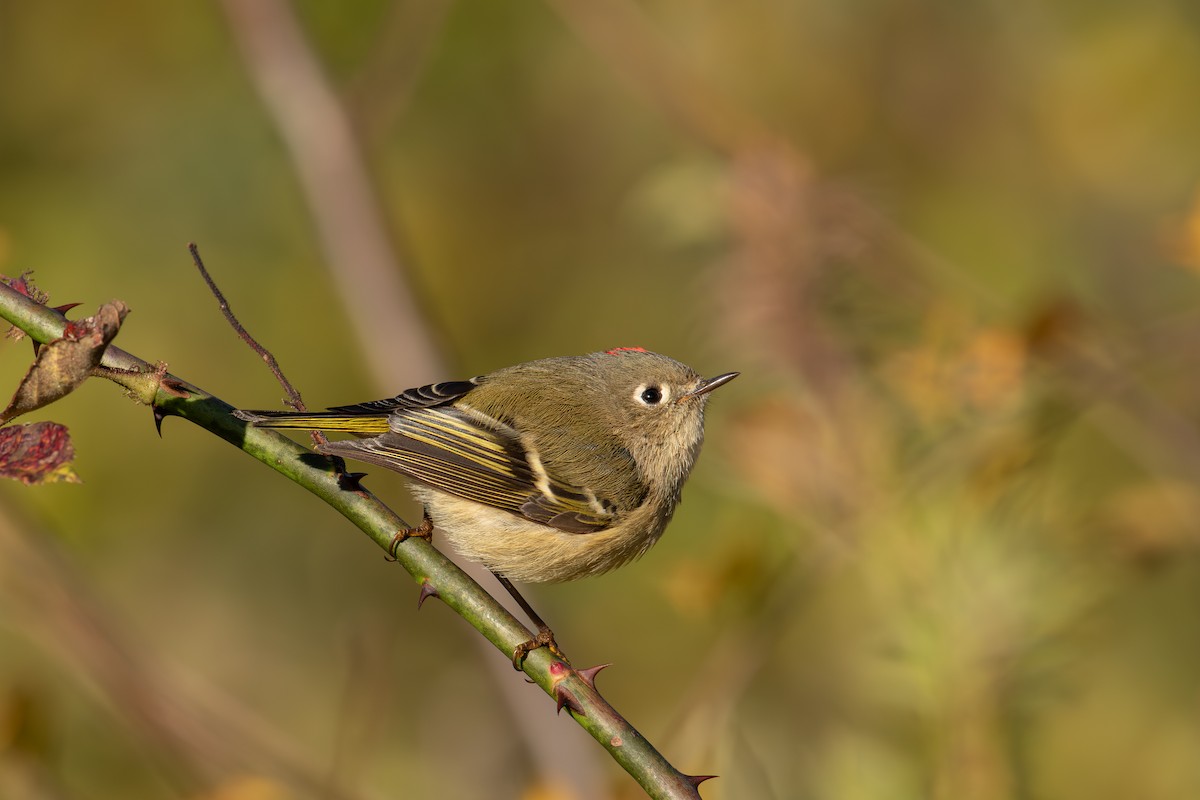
(573, 689)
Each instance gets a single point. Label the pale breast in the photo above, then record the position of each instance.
(528, 552)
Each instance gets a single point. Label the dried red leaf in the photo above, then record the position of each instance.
(40, 452)
(77, 329)
(23, 283)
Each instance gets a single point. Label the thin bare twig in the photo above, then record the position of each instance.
(294, 400)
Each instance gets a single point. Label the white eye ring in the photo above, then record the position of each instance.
(651, 394)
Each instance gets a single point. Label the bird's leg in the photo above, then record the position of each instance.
(544, 637)
(422, 531)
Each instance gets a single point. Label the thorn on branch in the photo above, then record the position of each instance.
(562, 695)
(696, 780)
(350, 481)
(427, 591)
(589, 674)
(565, 698)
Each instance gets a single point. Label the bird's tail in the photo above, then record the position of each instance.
(362, 423)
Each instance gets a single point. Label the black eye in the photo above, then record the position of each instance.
(651, 395)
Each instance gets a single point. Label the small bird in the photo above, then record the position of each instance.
(545, 471)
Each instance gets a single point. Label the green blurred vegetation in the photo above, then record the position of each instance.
(943, 542)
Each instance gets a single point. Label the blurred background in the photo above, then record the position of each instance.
(943, 541)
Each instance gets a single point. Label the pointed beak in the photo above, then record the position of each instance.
(708, 384)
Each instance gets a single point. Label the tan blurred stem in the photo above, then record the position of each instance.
(351, 223)
(423, 562)
(396, 340)
(200, 735)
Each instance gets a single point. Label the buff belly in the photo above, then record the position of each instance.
(528, 552)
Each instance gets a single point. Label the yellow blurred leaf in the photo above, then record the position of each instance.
(1181, 236)
(958, 371)
(1154, 520)
(1107, 99)
(691, 588)
(793, 458)
(994, 369)
(694, 588)
(248, 787)
(549, 791)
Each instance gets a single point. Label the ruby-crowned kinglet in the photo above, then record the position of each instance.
(545, 471)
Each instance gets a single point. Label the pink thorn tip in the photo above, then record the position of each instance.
(617, 350)
(588, 675)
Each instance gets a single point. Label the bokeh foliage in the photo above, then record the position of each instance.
(943, 541)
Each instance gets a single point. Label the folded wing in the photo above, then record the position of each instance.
(478, 458)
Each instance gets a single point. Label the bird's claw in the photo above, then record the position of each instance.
(422, 531)
(544, 638)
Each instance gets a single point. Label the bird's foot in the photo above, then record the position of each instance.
(544, 638)
(422, 531)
